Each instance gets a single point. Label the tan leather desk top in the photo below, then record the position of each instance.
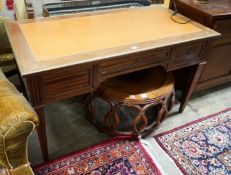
(56, 38)
(72, 39)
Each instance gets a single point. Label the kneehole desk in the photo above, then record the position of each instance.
(65, 56)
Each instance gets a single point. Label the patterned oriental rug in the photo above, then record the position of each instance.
(113, 157)
(202, 146)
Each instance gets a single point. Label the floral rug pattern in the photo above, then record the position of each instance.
(200, 147)
(113, 157)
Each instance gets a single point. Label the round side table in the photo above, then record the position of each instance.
(138, 101)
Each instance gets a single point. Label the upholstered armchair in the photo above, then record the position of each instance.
(17, 121)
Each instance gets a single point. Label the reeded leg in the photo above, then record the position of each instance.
(42, 132)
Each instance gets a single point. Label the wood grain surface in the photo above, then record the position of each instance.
(213, 7)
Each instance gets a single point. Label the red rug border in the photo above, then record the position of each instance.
(180, 127)
(103, 143)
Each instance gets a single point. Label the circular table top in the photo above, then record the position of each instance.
(143, 85)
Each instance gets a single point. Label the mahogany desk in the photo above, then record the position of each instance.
(62, 57)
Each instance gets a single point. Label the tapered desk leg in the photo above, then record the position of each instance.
(42, 132)
(193, 78)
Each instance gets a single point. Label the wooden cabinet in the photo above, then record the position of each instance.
(219, 63)
(216, 15)
(223, 26)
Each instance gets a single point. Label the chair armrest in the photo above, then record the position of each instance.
(17, 121)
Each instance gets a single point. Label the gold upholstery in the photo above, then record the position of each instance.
(6, 55)
(22, 170)
(6, 58)
(17, 121)
(5, 44)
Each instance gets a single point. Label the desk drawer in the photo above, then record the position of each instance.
(188, 53)
(67, 82)
(136, 60)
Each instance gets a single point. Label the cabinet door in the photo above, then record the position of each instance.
(218, 68)
(218, 63)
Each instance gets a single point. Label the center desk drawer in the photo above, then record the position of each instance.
(67, 82)
(138, 60)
